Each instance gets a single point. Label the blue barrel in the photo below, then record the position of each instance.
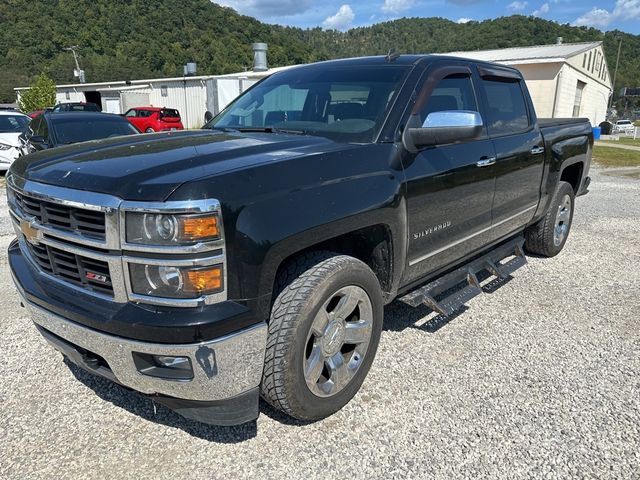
(596, 133)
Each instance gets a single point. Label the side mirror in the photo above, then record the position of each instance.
(448, 126)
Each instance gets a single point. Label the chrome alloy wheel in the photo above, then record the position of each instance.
(338, 341)
(563, 218)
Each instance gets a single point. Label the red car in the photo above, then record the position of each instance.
(153, 119)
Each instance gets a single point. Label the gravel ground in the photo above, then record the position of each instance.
(538, 379)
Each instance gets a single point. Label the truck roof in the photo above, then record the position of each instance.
(402, 59)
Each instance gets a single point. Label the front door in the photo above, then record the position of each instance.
(449, 194)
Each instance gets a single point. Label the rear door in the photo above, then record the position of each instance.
(519, 149)
(448, 196)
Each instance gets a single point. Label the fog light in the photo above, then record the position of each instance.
(163, 366)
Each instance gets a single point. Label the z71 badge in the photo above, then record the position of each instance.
(430, 230)
(96, 277)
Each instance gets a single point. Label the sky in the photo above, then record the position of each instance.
(344, 14)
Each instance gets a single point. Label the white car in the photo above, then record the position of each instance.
(624, 126)
(12, 124)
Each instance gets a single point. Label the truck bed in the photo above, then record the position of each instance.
(557, 122)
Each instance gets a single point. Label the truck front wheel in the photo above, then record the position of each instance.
(323, 335)
(548, 236)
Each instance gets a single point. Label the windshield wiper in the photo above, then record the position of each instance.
(292, 131)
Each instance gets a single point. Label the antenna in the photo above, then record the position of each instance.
(392, 55)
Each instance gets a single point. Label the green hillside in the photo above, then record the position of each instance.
(129, 39)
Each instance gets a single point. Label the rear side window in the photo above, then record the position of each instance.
(454, 92)
(506, 110)
(169, 113)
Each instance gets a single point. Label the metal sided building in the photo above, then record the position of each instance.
(564, 79)
(191, 96)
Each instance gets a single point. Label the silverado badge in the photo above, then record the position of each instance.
(433, 229)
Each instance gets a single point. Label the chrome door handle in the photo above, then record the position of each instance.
(537, 150)
(485, 162)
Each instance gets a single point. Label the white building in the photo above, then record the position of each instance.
(191, 96)
(565, 80)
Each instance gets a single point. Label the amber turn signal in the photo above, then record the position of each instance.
(204, 280)
(199, 228)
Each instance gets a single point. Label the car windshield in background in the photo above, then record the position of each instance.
(343, 104)
(73, 130)
(13, 123)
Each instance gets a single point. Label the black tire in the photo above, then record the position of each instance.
(310, 283)
(540, 239)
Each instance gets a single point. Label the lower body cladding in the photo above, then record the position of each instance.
(214, 382)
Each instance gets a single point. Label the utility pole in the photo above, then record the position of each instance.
(78, 72)
(615, 74)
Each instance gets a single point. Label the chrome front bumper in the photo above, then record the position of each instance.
(223, 368)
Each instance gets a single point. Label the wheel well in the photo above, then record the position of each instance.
(572, 175)
(372, 245)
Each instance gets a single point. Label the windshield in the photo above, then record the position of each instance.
(13, 123)
(346, 104)
(73, 130)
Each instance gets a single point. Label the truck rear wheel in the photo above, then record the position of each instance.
(548, 236)
(323, 335)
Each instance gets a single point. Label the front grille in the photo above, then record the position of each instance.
(89, 223)
(87, 272)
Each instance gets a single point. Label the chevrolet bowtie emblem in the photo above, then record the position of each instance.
(30, 233)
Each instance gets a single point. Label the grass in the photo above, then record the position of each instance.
(615, 157)
(624, 141)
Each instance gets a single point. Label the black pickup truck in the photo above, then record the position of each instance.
(254, 257)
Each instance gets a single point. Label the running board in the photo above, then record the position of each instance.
(466, 279)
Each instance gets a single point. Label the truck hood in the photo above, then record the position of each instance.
(150, 167)
(10, 138)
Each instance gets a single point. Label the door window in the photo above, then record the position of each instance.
(454, 92)
(506, 109)
(130, 114)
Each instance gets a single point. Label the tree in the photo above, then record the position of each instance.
(41, 95)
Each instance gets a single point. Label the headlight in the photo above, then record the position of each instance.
(171, 229)
(4, 146)
(175, 282)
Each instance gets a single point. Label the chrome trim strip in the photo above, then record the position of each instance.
(223, 367)
(177, 262)
(185, 206)
(100, 202)
(469, 237)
